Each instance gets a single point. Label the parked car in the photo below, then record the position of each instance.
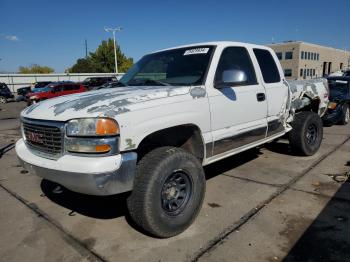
(37, 86)
(91, 82)
(54, 90)
(338, 108)
(107, 85)
(5, 94)
(200, 104)
(346, 73)
(23, 91)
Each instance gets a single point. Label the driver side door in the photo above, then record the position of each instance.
(238, 112)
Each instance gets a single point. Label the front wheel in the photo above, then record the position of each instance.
(168, 192)
(346, 115)
(2, 100)
(306, 135)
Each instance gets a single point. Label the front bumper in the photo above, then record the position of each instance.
(333, 116)
(88, 175)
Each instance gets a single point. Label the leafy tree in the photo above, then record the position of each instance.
(35, 69)
(102, 60)
(83, 65)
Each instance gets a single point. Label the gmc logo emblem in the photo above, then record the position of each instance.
(36, 138)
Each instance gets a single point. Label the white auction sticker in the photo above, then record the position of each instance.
(196, 51)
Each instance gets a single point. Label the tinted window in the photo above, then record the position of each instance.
(57, 88)
(67, 87)
(267, 65)
(239, 59)
(289, 55)
(288, 72)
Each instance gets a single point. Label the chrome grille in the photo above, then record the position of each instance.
(43, 138)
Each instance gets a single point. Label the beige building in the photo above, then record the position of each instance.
(302, 60)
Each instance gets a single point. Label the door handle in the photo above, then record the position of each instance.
(260, 97)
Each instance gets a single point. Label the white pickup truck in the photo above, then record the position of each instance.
(176, 110)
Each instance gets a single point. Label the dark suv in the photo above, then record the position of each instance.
(339, 101)
(91, 82)
(5, 93)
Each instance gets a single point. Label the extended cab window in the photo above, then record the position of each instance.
(236, 58)
(267, 65)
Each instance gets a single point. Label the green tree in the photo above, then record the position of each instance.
(35, 69)
(83, 65)
(102, 60)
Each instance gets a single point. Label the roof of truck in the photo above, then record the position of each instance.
(217, 43)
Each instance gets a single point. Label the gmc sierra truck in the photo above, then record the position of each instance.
(176, 110)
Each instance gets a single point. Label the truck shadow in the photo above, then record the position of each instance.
(328, 236)
(109, 207)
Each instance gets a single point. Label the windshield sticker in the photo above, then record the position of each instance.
(196, 51)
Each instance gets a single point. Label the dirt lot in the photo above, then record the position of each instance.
(261, 205)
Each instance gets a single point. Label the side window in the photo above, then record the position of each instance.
(76, 87)
(58, 89)
(67, 87)
(236, 58)
(268, 66)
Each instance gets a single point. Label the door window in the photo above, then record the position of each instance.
(239, 59)
(268, 66)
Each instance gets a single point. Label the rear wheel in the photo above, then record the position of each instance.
(168, 192)
(2, 100)
(306, 135)
(346, 115)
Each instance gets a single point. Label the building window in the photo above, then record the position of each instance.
(308, 72)
(279, 55)
(341, 66)
(308, 55)
(318, 57)
(301, 72)
(287, 72)
(302, 54)
(289, 55)
(313, 72)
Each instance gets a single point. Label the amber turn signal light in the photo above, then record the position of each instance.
(106, 127)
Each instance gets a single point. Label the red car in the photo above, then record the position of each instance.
(54, 90)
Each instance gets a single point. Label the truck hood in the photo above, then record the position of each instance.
(106, 102)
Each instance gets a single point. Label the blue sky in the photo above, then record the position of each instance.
(52, 33)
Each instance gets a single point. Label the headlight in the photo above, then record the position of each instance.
(332, 105)
(33, 97)
(92, 127)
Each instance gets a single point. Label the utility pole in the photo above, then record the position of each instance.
(86, 49)
(113, 30)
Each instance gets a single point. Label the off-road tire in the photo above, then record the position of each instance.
(346, 113)
(303, 125)
(146, 202)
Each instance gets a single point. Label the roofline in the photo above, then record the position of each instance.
(214, 43)
(310, 44)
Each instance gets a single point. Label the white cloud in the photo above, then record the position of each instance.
(13, 38)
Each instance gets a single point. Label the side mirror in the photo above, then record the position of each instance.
(232, 77)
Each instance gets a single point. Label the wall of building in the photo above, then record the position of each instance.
(320, 57)
(15, 81)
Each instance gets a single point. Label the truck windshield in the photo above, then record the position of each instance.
(182, 66)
